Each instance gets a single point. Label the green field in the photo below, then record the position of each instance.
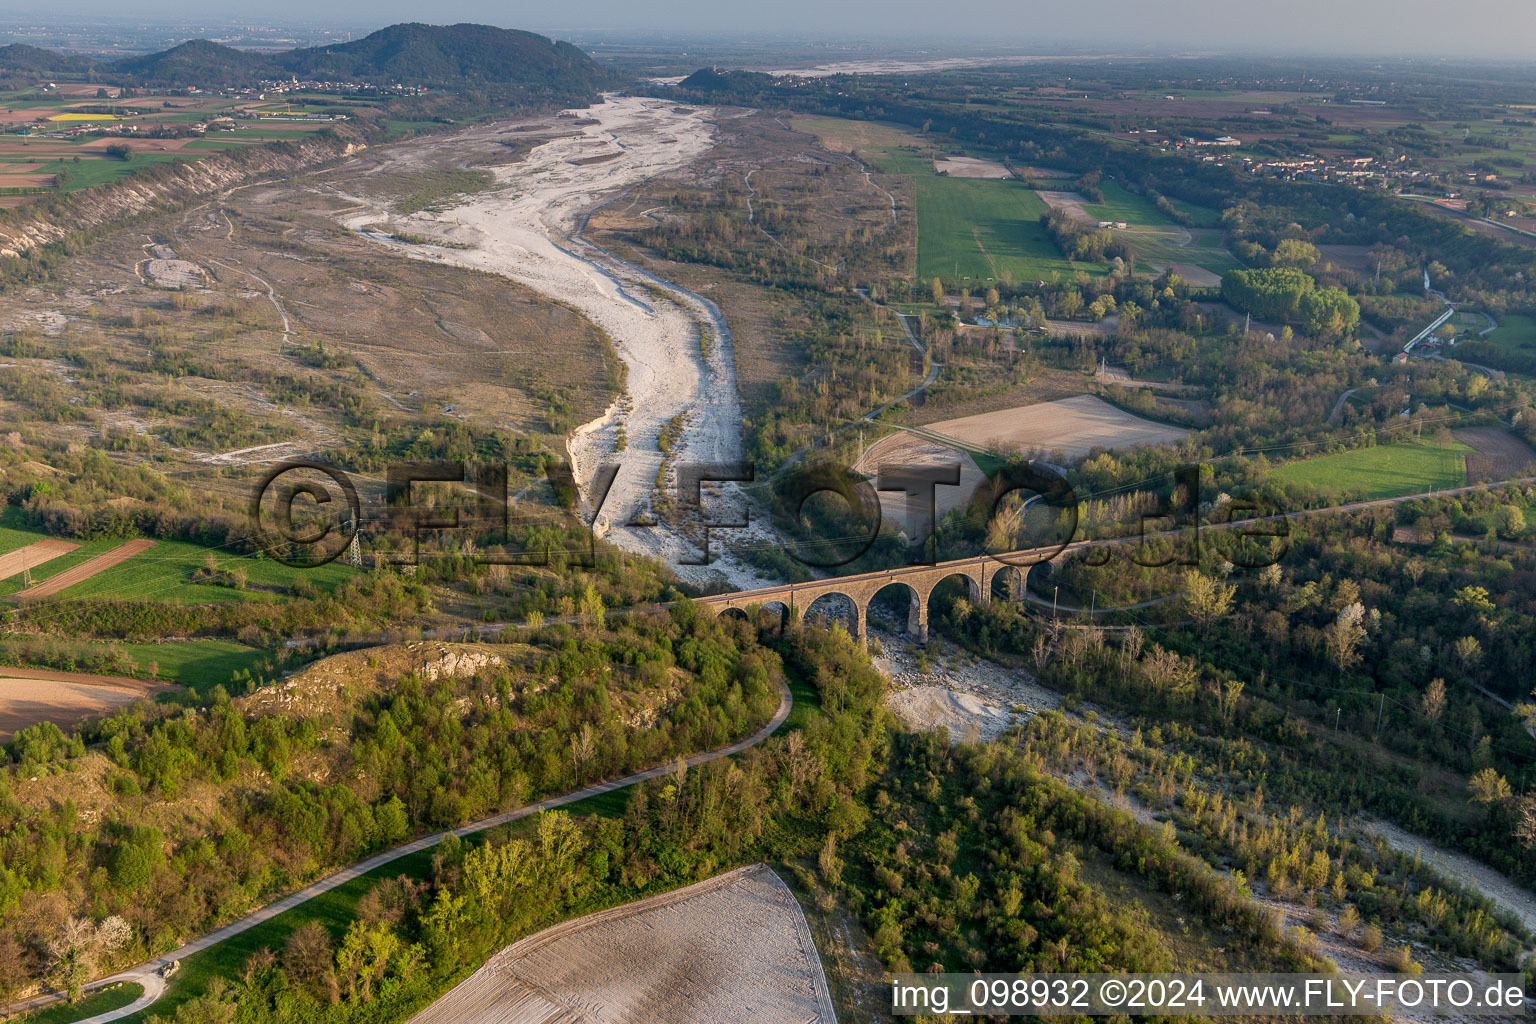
(98, 170)
(1200, 216)
(164, 572)
(197, 664)
(1516, 332)
(967, 228)
(1385, 471)
(983, 229)
(1157, 238)
(1119, 204)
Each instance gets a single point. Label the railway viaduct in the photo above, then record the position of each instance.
(986, 576)
(989, 575)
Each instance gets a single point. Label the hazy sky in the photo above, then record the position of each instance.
(1495, 28)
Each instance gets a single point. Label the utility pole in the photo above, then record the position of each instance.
(26, 577)
(1380, 710)
(1054, 591)
(1336, 713)
(354, 553)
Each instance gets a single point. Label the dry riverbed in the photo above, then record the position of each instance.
(675, 345)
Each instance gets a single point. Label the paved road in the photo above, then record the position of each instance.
(148, 974)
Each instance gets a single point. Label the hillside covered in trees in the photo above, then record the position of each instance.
(413, 54)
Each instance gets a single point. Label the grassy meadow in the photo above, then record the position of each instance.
(1384, 471)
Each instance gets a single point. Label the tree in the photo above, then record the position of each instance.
(1510, 520)
(1342, 637)
(1069, 303)
(936, 289)
(79, 945)
(307, 956)
(1228, 695)
(1489, 787)
(13, 970)
(592, 606)
(1293, 252)
(1433, 701)
(1468, 652)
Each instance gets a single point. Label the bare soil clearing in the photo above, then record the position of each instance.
(174, 273)
(971, 167)
(1070, 203)
(1197, 276)
(1071, 426)
(734, 948)
(29, 696)
(85, 570)
(1498, 454)
(965, 716)
(33, 555)
(904, 451)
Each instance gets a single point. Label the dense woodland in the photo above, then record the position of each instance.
(270, 798)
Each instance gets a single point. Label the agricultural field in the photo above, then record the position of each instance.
(168, 571)
(1384, 471)
(1496, 455)
(163, 571)
(31, 553)
(975, 223)
(907, 451)
(66, 139)
(981, 229)
(29, 696)
(1196, 253)
(736, 947)
(1069, 428)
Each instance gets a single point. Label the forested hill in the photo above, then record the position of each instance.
(448, 53)
(20, 58)
(411, 54)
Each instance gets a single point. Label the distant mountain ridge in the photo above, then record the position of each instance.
(411, 54)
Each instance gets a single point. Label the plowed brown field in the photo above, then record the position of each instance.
(85, 570)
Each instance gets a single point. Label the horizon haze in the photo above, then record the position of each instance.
(1372, 28)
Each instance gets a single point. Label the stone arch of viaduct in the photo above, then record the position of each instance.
(983, 574)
